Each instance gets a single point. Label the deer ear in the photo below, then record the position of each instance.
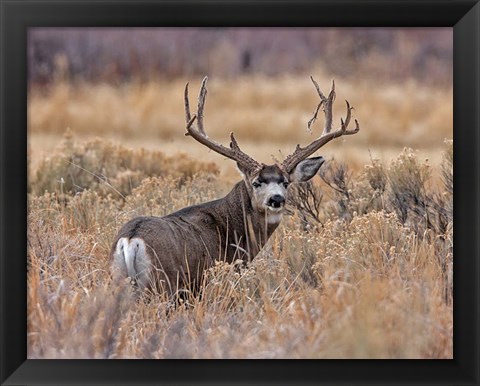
(306, 169)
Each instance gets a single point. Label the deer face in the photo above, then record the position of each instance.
(268, 189)
(268, 186)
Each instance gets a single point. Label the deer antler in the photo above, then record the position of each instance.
(199, 134)
(327, 135)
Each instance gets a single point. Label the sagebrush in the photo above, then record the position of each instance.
(360, 268)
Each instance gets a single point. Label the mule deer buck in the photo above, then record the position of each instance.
(172, 252)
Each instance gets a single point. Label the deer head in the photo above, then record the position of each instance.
(268, 184)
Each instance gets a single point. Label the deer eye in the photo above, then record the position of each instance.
(285, 184)
(256, 184)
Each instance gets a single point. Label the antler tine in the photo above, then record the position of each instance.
(201, 103)
(200, 135)
(327, 135)
(187, 106)
(327, 105)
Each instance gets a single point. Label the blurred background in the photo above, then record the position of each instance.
(126, 85)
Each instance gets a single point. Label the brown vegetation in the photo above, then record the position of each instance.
(362, 267)
(253, 107)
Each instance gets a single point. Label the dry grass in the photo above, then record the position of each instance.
(107, 168)
(361, 268)
(361, 281)
(257, 108)
(269, 117)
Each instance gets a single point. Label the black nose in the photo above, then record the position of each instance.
(276, 201)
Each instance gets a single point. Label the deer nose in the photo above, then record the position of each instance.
(276, 201)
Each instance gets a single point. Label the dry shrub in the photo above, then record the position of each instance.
(405, 190)
(339, 197)
(445, 199)
(404, 187)
(374, 242)
(343, 277)
(407, 180)
(160, 196)
(75, 325)
(228, 287)
(107, 168)
(72, 313)
(428, 211)
(305, 199)
(86, 214)
(376, 176)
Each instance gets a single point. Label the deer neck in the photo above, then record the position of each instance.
(252, 228)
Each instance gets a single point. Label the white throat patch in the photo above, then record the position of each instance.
(274, 217)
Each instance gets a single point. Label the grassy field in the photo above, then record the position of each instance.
(360, 268)
(268, 115)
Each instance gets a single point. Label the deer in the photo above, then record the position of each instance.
(171, 253)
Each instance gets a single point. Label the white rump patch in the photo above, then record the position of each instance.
(131, 258)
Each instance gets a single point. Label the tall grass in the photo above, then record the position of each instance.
(361, 272)
(257, 108)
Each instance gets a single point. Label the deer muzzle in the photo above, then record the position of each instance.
(276, 201)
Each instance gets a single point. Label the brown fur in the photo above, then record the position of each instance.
(183, 244)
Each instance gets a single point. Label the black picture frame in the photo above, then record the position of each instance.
(17, 16)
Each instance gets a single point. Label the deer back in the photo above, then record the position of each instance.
(174, 250)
